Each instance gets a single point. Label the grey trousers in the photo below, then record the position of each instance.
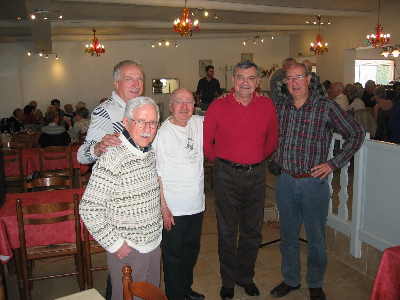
(145, 267)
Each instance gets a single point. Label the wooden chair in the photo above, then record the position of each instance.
(27, 254)
(90, 247)
(56, 183)
(12, 145)
(13, 158)
(141, 289)
(56, 153)
(83, 179)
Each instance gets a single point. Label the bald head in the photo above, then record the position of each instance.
(308, 64)
(335, 90)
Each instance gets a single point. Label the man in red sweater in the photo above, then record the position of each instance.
(240, 131)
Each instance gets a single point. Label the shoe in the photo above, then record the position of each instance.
(317, 294)
(282, 290)
(194, 296)
(226, 293)
(250, 289)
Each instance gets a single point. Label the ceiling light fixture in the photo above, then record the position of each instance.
(391, 50)
(319, 48)
(215, 16)
(95, 47)
(185, 27)
(378, 39)
(206, 13)
(307, 21)
(33, 17)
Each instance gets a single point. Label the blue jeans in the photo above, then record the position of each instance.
(304, 199)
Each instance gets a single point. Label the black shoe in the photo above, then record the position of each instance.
(194, 296)
(282, 290)
(250, 289)
(317, 294)
(226, 293)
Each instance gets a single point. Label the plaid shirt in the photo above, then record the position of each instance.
(316, 87)
(305, 134)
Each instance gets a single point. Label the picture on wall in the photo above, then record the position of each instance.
(247, 56)
(203, 63)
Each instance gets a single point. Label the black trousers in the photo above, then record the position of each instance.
(239, 202)
(180, 249)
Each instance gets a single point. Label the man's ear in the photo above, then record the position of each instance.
(125, 122)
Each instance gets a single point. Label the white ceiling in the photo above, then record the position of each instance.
(153, 19)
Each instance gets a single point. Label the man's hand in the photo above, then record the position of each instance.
(168, 218)
(321, 170)
(123, 251)
(107, 140)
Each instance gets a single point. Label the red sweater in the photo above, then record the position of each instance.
(242, 134)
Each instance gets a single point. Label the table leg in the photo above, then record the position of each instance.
(20, 273)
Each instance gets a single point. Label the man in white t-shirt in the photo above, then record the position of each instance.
(179, 162)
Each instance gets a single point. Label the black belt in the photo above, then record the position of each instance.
(236, 166)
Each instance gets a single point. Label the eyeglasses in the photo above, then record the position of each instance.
(143, 123)
(293, 78)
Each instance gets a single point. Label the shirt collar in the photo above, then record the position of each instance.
(130, 140)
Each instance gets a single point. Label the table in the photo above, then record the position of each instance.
(41, 235)
(30, 163)
(91, 294)
(387, 281)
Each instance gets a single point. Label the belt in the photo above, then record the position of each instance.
(236, 166)
(298, 176)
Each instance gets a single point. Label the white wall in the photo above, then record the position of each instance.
(76, 76)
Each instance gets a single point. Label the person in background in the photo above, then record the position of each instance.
(396, 90)
(15, 122)
(394, 123)
(356, 93)
(52, 120)
(208, 87)
(30, 121)
(179, 161)
(68, 115)
(81, 125)
(78, 106)
(57, 105)
(53, 134)
(301, 167)
(121, 204)
(382, 102)
(278, 76)
(336, 94)
(368, 95)
(346, 92)
(38, 113)
(238, 142)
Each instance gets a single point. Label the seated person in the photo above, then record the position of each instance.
(394, 123)
(15, 121)
(355, 93)
(81, 125)
(380, 98)
(69, 114)
(52, 134)
(31, 121)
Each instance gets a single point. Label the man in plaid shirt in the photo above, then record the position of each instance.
(306, 123)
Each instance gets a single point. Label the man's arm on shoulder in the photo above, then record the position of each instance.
(99, 135)
(209, 132)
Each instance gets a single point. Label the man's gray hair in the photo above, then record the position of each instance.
(139, 102)
(246, 64)
(300, 65)
(117, 68)
(287, 61)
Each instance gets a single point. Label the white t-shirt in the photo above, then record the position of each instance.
(179, 163)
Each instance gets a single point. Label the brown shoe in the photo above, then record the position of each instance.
(317, 294)
(282, 290)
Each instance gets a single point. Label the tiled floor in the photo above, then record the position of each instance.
(341, 281)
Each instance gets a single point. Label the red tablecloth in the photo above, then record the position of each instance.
(30, 163)
(387, 281)
(42, 234)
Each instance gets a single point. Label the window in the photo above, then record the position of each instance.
(380, 71)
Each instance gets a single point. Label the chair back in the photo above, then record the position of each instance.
(382, 131)
(12, 160)
(70, 212)
(142, 289)
(13, 145)
(59, 158)
(56, 183)
(367, 120)
(84, 179)
(61, 139)
(90, 247)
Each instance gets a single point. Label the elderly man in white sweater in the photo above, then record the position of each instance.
(121, 204)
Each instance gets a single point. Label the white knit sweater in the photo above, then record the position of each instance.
(122, 199)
